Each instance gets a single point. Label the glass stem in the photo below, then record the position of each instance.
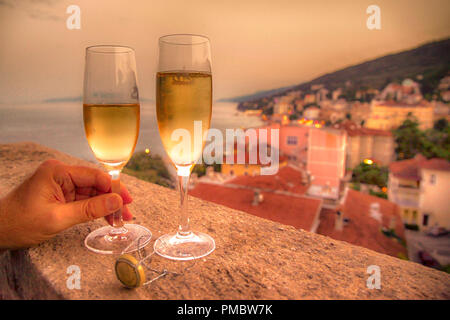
(118, 228)
(183, 182)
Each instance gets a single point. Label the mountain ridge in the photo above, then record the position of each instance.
(431, 59)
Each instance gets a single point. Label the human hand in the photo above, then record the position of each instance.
(56, 197)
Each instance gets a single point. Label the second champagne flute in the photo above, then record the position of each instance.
(183, 108)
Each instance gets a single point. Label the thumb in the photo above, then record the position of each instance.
(89, 209)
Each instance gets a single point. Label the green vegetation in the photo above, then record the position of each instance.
(200, 169)
(446, 268)
(430, 81)
(356, 186)
(379, 194)
(431, 143)
(402, 256)
(148, 168)
(391, 234)
(370, 174)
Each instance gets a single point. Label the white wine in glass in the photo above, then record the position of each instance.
(183, 98)
(112, 147)
(111, 114)
(183, 108)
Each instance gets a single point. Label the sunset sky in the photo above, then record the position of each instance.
(256, 45)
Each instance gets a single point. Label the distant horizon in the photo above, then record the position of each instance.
(56, 99)
(256, 45)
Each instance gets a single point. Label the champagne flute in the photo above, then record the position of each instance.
(183, 108)
(111, 114)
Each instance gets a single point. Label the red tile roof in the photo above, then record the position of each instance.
(410, 168)
(362, 229)
(287, 179)
(436, 164)
(407, 169)
(297, 211)
(356, 130)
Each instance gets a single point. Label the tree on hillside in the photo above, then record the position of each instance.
(409, 138)
(431, 143)
(370, 174)
(436, 143)
(441, 125)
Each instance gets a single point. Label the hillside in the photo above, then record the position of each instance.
(431, 60)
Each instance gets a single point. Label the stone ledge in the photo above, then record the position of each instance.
(254, 259)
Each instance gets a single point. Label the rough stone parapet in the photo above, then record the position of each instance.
(254, 259)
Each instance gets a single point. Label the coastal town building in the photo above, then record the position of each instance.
(367, 94)
(434, 200)
(388, 115)
(293, 140)
(321, 95)
(248, 167)
(359, 111)
(309, 98)
(408, 91)
(326, 162)
(396, 103)
(312, 113)
(283, 106)
(364, 143)
(444, 84)
(445, 95)
(336, 94)
(321, 150)
(404, 187)
(334, 111)
(420, 188)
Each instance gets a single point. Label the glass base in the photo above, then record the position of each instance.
(177, 247)
(103, 241)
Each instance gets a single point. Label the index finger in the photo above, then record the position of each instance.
(89, 177)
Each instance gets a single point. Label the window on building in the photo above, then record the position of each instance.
(406, 214)
(292, 140)
(414, 214)
(432, 179)
(425, 219)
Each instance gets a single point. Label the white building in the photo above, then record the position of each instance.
(434, 200)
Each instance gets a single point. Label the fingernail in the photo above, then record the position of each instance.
(113, 203)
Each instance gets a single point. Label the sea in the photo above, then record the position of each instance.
(59, 125)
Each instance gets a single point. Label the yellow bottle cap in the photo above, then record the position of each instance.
(129, 272)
